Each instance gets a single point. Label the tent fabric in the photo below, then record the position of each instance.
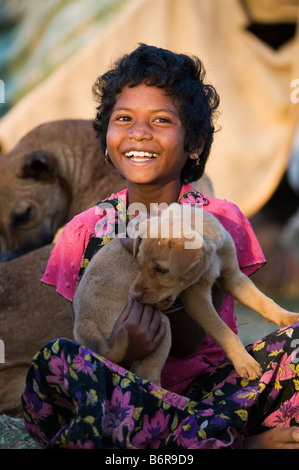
(257, 117)
(37, 37)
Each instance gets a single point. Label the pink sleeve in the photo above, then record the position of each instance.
(65, 259)
(249, 252)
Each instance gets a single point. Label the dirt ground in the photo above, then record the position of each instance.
(13, 434)
(252, 326)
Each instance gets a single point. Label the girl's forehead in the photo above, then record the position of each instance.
(144, 95)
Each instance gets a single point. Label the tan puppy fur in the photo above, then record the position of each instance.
(101, 296)
(165, 269)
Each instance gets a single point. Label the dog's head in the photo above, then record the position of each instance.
(33, 204)
(168, 264)
(52, 173)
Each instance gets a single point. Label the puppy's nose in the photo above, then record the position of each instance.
(137, 295)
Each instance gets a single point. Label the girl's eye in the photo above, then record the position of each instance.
(123, 118)
(162, 120)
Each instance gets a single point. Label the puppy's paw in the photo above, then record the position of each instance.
(249, 369)
(287, 318)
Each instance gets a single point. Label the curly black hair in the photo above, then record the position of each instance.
(182, 77)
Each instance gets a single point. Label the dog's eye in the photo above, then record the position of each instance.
(21, 218)
(160, 271)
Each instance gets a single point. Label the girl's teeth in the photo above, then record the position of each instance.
(140, 154)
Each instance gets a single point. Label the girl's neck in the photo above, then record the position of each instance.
(149, 194)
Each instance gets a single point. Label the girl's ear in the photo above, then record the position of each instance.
(198, 150)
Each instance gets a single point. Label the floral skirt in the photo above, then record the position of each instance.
(75, 398)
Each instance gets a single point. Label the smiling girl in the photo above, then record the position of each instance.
(155, 125)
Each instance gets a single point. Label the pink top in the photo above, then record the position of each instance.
(65, 260)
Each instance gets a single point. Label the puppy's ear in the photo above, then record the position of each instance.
(131, 244)
(136, 243)
(182, 260)
(127, 243)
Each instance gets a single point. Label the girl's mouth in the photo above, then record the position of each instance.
(138, 156)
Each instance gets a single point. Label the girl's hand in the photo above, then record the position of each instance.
(145, 328)
(276, 438)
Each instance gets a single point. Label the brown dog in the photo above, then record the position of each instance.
(166, 267)
(56, 171)
(31, 314)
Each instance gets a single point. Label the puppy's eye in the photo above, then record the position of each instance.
(161, 271)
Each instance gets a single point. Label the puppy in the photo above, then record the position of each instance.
(183, 252)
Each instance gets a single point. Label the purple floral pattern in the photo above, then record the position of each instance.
(75, 398)
(118, 415)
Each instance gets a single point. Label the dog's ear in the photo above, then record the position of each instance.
(182, 260)
(39, 165)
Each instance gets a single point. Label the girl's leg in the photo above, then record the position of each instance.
(272, 400)
(75, 398)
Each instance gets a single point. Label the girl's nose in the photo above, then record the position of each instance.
(140, 131)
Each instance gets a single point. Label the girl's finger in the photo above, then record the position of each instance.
(155, 322)
(127, 309)
(295, 433)
(136, 311)
(146, 317)
(160, 333)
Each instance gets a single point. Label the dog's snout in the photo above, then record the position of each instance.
(137, 295)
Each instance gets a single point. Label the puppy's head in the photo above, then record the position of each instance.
(166, 265)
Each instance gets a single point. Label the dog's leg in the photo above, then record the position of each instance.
(198, 304)
(86, 333)
(243, 289)
(239, 286)
(150, 367)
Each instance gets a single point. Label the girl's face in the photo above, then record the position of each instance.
(145, 137)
